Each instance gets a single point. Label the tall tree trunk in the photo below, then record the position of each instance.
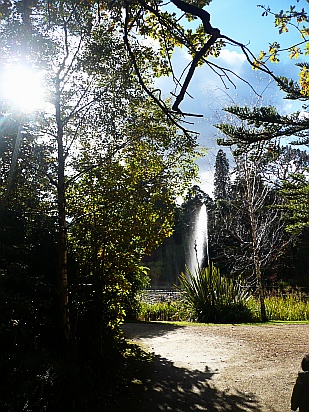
(63, 289)
(255, 249)
(258, 271)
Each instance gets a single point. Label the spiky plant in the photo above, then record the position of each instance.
(213, 297)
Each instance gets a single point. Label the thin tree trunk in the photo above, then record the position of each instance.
(63, 290)
(257, 266)
(256, 258)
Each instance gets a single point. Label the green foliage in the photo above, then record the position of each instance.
(170, 32)
(288, 305)
(260, 124)
(266, 123)
(122, 210)
(296, 193)
(213, 297)
(165, 311)
(121, 163)
(281, 305)
(292, 19)
(221, 177)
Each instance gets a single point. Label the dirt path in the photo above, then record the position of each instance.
(218, 368)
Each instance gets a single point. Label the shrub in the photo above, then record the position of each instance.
(215, 298)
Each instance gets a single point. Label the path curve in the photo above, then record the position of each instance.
(219, 368)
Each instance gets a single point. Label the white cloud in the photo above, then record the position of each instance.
(150, 42)
(303, 115)
(207, 181)
(233, 59)
(287, 107)
(183, 53)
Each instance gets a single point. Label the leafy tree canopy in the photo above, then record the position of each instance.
(170, 25)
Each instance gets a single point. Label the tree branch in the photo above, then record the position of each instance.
(213, 32)
(160, 103)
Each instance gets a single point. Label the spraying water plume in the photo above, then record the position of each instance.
(198, 241)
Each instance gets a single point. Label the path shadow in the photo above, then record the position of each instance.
(136, 330)
(164, 387)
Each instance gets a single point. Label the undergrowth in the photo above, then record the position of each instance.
(287, 305)
(164, 311)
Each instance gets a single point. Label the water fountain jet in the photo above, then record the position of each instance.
(198, 241)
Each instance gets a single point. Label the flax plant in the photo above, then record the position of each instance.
(213, 297)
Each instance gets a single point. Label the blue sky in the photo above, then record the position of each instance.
(242, 21)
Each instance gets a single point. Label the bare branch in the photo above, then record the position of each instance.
(150, 93)
(215, 33)
(189, 76)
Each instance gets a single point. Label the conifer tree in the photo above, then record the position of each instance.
(248, 230)
(266, 123)
(221, 177)
(219, 211)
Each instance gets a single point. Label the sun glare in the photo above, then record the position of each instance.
(23, 88)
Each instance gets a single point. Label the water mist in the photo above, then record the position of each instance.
(198, 241)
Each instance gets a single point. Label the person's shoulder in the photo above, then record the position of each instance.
(303, 378)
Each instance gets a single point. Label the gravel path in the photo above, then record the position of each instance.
(218, 368)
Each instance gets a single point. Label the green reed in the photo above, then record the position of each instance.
(287, 305)
(164, 311)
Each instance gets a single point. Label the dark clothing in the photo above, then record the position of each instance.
(300, 395)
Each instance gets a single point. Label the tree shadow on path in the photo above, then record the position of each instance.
(137, 330)
(161, 386)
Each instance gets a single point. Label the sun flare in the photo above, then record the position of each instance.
(23, 88)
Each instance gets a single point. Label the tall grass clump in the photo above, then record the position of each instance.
(215, 298)
(287, 305)
(164, 311)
